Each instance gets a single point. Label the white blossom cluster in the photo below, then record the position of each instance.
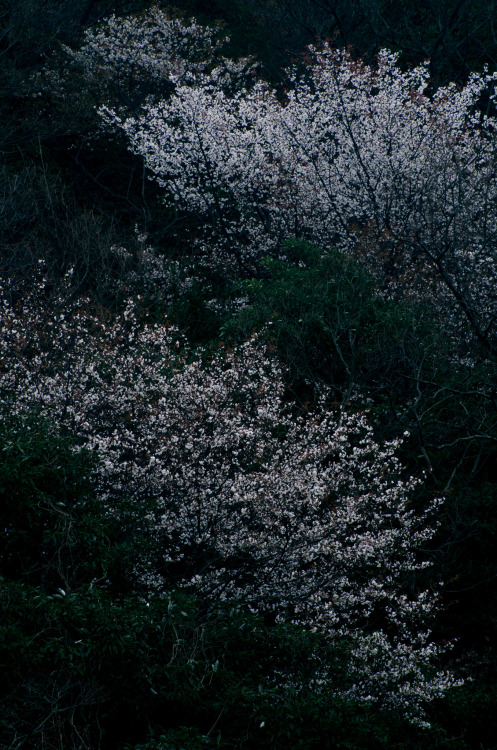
(305, 517)
(137, 57)
(355, 156)
(145, 271)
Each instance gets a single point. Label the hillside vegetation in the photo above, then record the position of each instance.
(248, 375)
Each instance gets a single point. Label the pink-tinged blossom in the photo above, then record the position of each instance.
(307, 518)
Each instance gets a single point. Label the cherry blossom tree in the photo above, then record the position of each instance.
(304, 517)
(354, 156)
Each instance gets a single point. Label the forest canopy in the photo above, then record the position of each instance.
(248, 413)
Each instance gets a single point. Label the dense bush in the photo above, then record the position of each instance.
(330, 326)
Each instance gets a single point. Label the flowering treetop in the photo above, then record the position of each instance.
(126, 60)
(307, 518)
(357, 156)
